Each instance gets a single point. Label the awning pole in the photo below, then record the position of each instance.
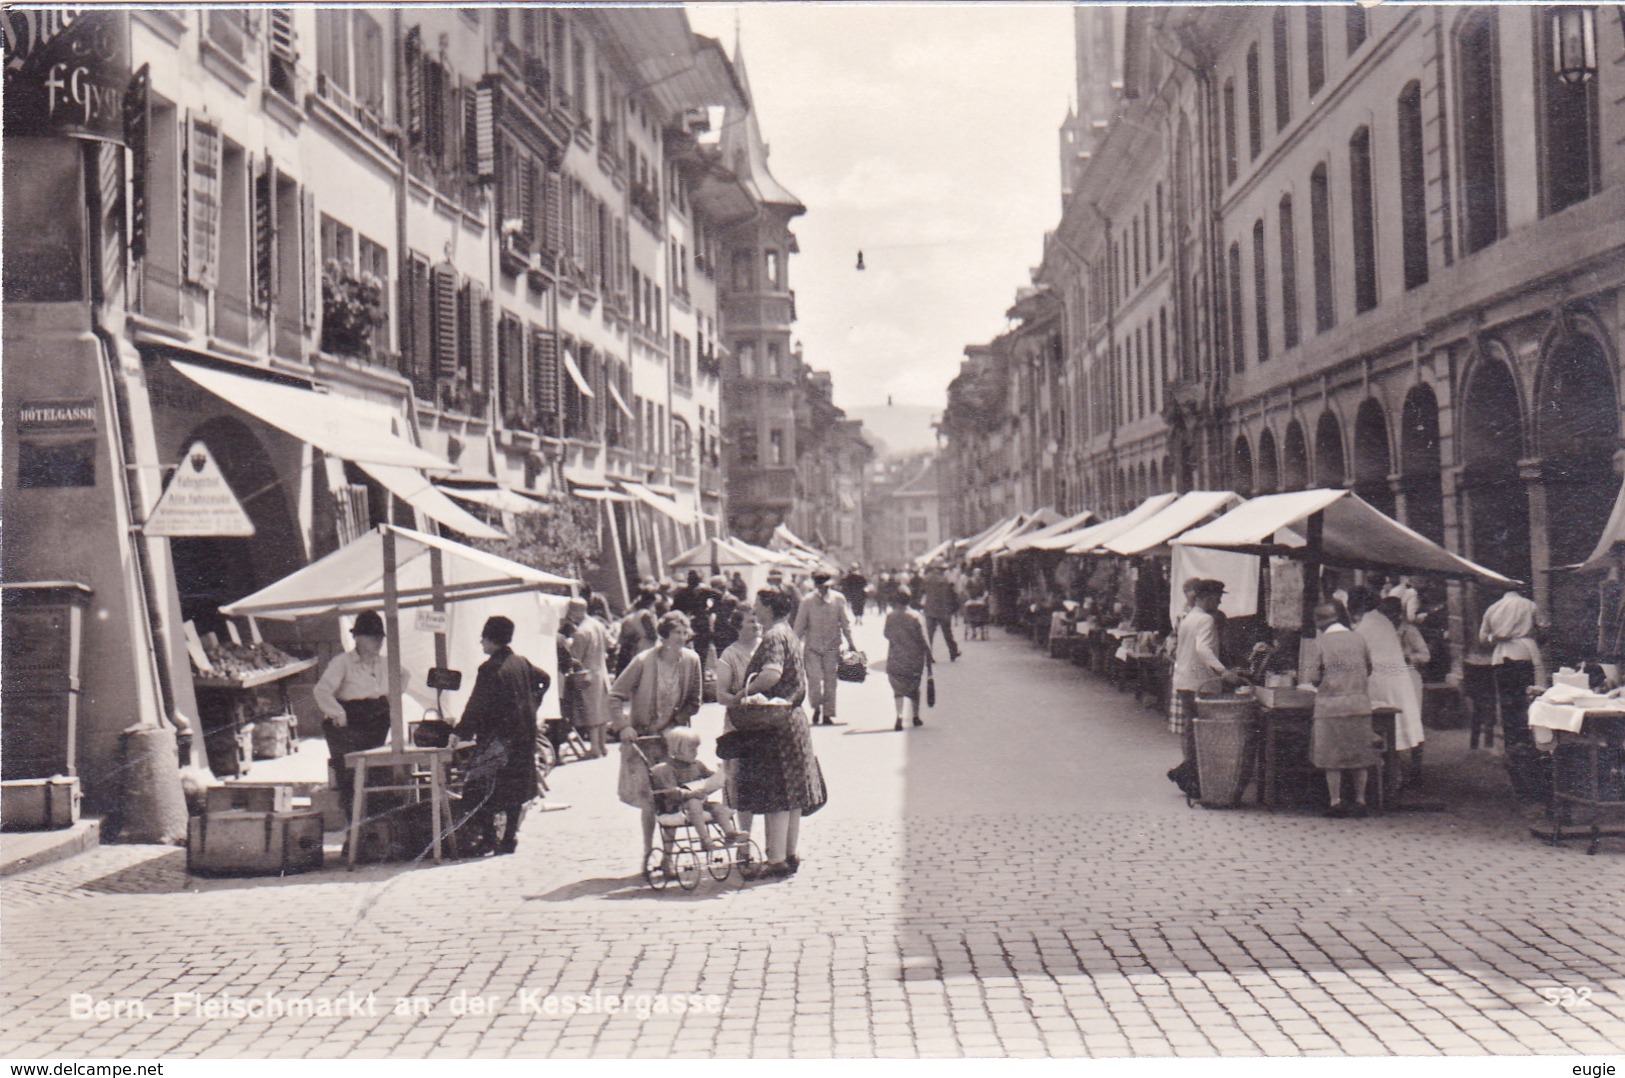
(392, 626)
(1311, 579)
(437, 580)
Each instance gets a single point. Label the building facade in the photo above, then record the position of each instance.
(1375, 249)
(904, 518)
(434, 266)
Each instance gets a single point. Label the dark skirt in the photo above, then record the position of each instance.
(502, 774)
(779, 772)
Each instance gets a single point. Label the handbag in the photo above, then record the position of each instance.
(755, 717)
(432, 734)
(930, 689)
(852, 666)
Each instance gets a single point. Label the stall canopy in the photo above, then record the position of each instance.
(667, 507)
(410, 486)
(1019, 525)
(1612, 536)
(1032, 538)
(970, 543)
(493, 496)
(1089, 540)
(718, 554)
(474, 586)
(1151, 535)
(1356, 536)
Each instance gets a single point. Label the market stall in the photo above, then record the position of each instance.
(725, 557)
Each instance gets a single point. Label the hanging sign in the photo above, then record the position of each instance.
(198, 501)
(432, 621)
(67, 72)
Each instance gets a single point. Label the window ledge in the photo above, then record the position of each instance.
(229, 69)
(285, 112)
(169, 25)
(339, 123)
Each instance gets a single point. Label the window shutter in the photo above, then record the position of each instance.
(434, 110)
(544, 347)
(284, 45)
(137, 135)
(527, 201)
(553, 193)
(444, 310)
(412, 69)
(203, 203)
(310, 260)
(511, 366)
(466, 308)
(420, 304)
(480, 332)
(265, 234)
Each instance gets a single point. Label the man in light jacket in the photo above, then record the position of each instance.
(822, 622)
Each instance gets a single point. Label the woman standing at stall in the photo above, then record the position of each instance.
(1391, 683)
(785, 781)
(1338, 673)
(353, 695)
(662, 686)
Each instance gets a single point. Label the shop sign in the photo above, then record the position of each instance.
(67, 72)
(433, 621)
(56, 416)
(198, 501)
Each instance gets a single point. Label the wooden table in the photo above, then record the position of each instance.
(1285, 748)
(409, 760)
(1586, 774)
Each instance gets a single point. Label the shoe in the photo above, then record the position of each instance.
(953, 656)
(1357, 811)
(918, 721)
(1336, 812)
(505, 847)
(793, 862)
(899, 726)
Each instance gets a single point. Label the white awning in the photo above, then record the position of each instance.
(355, 430)
(661, 505)
(494, 496)
(409, 485)
(598, 494)
(1089, 539)
(1354, 535)
(1032, 538)
(620, 402)
(576, 376)
(1191, 509)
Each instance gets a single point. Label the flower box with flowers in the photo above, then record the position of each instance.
(352, 307)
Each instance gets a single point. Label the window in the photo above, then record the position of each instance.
(1413, 221)
(1364, 219)
(774, 369)
(745, 442)
(1289, 276)
(1320, 227)
(333, 49)
(1229, 131)
(747, 359)
(1135, 250)
(1160, 239)
(1261, 293)
(1315, 38)
(201, 204)
(1283, 71)
(1568, 129)
(1255, 106)
(1476, 66)
(743, 264)
(578, 76)
(338, 243)
(1162, 338)
(775, 447)
(771, 267)
(1354, 26)
(374, 259)
(1238, 333)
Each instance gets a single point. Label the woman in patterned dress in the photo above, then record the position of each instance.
(784, 781)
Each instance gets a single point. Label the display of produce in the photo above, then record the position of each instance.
(246, 664)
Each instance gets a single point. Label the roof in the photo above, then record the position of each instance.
(1355, 536)
(1152, 534)
(681, 69)
(916, 487)
(744, 150)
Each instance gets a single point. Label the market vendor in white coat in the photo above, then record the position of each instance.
(353, 695)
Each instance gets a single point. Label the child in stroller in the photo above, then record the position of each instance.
(694, 828)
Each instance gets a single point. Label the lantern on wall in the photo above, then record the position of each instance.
(1574, 42)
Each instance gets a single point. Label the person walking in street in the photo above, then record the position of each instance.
(659, 688)
(792, 594)
(784, 781)
(1196, 661)
(500, 719)
(723, 612)
(353, 696)
(822, 623)
(1511, 627)
(1338, 672)
(694, 600)
(908, 656)
(940, 605)
(637, 634)
(589, 648)
(855, 587)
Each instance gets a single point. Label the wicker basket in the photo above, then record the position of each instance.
(1226, 741)
(760, 716)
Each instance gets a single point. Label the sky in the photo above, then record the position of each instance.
(924, 135)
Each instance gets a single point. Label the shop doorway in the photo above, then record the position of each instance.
(1330, 468)
(1420, 463)
(1372, 462)
(1577, 422)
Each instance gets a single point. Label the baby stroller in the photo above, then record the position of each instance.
(976, 619)
(681, 854)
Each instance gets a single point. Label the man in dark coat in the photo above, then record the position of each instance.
(500, 718)
(695, 601)
(941, 603)
(854, 585)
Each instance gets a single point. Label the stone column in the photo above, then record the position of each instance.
(1540, 556)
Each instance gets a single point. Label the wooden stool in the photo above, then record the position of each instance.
(387, 758)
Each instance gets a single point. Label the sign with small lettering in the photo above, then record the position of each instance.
(198, 501)
(67, 72)
(432, 621)
(49, 416)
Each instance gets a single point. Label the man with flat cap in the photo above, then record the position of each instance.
(500, 718)
(822, 622)
(353, 696)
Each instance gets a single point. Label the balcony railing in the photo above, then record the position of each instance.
(771, 486)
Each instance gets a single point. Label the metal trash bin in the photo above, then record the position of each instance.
(1226, 745)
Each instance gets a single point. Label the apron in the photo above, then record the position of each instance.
(366, 726)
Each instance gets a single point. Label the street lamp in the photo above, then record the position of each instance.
(1574, 42)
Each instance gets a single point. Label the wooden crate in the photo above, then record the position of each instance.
(273, 737)
(249, 797)
(39, 804)
(254, 843)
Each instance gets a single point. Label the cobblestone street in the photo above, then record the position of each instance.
(1016, 878)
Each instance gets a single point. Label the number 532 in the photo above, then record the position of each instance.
(1565, 997)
